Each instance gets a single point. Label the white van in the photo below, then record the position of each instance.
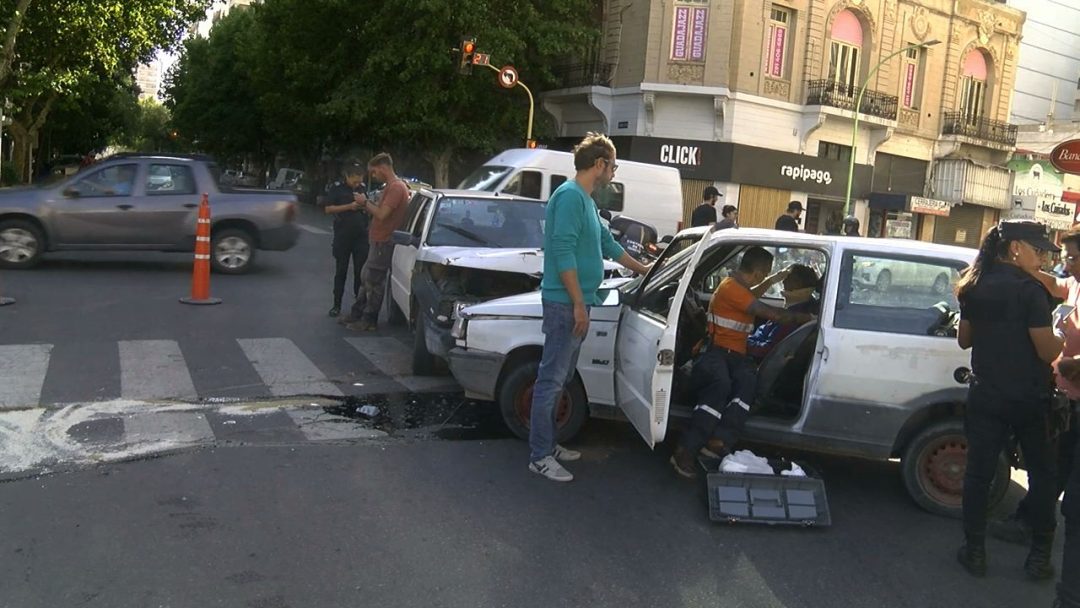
(649, 193)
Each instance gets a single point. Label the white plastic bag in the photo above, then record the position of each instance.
(745, 461)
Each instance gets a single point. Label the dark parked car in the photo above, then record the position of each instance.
(143, 202)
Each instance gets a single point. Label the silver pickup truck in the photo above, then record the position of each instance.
(144, 202)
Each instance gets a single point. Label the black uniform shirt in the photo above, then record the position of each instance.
(348, 223)
(786, 222)
(704, 215)
(1001, 308)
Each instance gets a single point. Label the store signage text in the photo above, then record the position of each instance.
(1057, 215)
(930, 206)
(680, 155)
(1066, 156)
(806, 174)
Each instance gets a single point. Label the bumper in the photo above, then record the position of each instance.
(279, 239)
(476, 371)
(437, 338)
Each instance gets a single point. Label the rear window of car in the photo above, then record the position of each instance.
(481, 222)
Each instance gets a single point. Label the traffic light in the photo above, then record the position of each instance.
(467, 48)
(531, 143)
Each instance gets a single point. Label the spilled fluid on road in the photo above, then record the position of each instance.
(447, 416)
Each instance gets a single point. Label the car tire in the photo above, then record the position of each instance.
(884, 281)
(933, 465)
(395, 316)
(515, 403)
(21, 244)
(232, 251)
(423, 362)
(941, 284)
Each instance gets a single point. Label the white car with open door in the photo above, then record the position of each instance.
(879, 375)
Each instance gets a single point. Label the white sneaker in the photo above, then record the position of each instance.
(550, 468)
(566, 454)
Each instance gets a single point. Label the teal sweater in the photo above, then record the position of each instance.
(574, 239)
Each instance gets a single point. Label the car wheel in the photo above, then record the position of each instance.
(884, 281)
(933, 469)
(941, 284)
(423, 362)
(395, 316)
(515, 403)
(232, 251)
(21, 244)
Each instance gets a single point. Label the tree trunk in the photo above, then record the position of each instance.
(24, 130)
(11, 33)
(440, 162)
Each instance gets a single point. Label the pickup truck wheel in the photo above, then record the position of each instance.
(21, 244)
(515, 403)
(933, 469)
(232, 251)
(423, 362)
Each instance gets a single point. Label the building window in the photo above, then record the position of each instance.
(973, 88)
(912, 78)
(831, 151)
(845, 47)
(778, 41)
(690, 30)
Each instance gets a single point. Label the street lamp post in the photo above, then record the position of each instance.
(858, 108)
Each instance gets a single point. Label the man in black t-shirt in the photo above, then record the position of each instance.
(790, 220)
(350, 232)
(705, 214)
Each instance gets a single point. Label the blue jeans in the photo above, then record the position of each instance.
(557, 367)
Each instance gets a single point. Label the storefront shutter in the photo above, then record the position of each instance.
(759, 207)
(964, 221)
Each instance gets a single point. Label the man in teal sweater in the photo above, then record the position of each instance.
(575, 245)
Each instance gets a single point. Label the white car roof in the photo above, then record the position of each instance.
(901, 246)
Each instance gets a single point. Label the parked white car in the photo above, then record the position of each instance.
(878, 376)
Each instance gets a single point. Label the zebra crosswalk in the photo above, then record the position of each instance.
(158, 370)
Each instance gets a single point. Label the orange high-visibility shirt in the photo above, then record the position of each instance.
(730, 321)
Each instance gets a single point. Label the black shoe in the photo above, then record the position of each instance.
(335, 311)
(683, 462)
(972, 556)
(1012, 529)
(1038, 565)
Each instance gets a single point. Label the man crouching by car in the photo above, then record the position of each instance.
(724, 378)
(575, 244)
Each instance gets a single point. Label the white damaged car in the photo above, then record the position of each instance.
(879, 375)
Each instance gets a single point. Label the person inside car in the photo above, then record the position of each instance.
(724, 378)
(799, 287)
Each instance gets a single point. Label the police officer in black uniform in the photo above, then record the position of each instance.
(350, 231)
(1005, 319)
(851, 226)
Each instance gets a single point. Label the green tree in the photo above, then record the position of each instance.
(90, 118)
(63, 44)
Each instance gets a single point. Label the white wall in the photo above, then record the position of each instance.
(684, 117)
(1049, 53)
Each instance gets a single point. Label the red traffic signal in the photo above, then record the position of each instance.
(467, 49)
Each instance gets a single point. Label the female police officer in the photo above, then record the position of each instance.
(1005, 319)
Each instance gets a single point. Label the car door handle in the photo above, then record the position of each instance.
(190, 205)
(125, 206)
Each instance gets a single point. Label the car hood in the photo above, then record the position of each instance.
(522, 305)
(524, 260)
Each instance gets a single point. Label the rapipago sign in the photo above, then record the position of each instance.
(1066, 156)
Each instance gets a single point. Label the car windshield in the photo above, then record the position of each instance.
(482, 222)
(486, 178)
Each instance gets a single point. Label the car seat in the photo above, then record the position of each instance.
(782, 372)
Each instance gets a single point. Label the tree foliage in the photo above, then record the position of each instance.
(321, 76)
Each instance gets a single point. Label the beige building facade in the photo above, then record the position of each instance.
(760, 98)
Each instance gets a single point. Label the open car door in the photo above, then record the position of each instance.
(645, 344)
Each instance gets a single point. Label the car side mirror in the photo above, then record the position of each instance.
(71, 192)
(405, 238)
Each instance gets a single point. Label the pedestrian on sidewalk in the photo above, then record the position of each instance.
(575, 245)
(705, 213)
(1005, 320)
(790, 219)
(729, 218)
(350, 232)
(387, 215)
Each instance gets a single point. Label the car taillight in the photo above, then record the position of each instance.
(290, 213)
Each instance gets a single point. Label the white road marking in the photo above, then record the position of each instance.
(154, 369)
(173, 427)
(285, 369)
(22, 374)
(312, 229)
(395, 360)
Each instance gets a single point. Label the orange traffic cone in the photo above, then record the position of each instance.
(200, 277)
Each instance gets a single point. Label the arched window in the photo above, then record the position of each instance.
(973, 87)
(845, 48)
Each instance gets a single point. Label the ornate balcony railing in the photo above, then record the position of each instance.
(583, 75)
(839, 95)
(961, 123)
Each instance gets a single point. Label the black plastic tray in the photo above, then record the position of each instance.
(767, 499)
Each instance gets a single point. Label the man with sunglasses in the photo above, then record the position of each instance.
(575, 245)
